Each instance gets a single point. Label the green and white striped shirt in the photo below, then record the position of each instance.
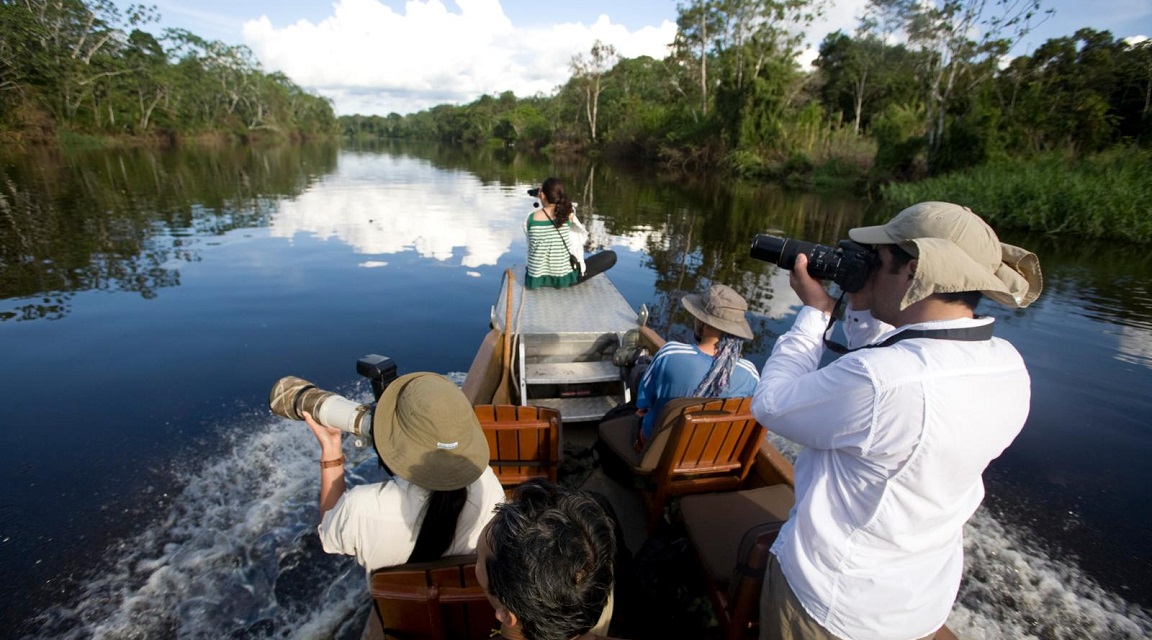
(548, 264)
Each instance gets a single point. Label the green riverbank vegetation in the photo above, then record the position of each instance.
(941, 101)
(1104, 195)
(83, 73)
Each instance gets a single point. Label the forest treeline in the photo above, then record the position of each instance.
(917, 90)
(732, 95)
(86, 67)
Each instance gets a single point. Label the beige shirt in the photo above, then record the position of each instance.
(378, 523)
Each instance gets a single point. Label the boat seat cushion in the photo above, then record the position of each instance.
(716, 522)
(619, 436)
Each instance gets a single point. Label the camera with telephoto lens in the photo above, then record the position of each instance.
(848, 264)
(292, 396)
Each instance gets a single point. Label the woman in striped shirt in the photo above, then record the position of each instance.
(555, 254)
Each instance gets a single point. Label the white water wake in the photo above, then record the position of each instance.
(235, 554)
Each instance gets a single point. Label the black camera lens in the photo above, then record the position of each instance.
(534, 192)
(780, 251)
(848, 264)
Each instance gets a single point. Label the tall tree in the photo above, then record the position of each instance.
(1083, 92)
(1134, 99)
(149, 80)
(848, 66)
(74, 45)
(589, 71)
(965, 39)
(862, 75)
(17, 53)
(756, 48)
(749, 48)
(696, 24)
(638, 103)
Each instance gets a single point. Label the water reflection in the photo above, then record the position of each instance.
(1106, 285)
(1135, 346)
(433, 212)
(381, 205)
(125, 221)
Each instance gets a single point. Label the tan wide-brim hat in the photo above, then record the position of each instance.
(426, 431)
(722, 308)
(957, 251)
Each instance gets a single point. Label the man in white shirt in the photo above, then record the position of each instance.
(896, 434)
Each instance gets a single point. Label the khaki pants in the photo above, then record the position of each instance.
(782, 617)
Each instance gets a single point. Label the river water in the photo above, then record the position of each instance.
(149, 300)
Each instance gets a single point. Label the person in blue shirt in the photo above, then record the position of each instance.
(711, 368)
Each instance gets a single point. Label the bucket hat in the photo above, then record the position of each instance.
(426, 431)
(956, 250)
(722, 308)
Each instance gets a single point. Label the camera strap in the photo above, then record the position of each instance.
(571, 258)
(964, 334)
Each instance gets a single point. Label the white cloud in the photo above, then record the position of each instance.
(842, 15)
(370, 59)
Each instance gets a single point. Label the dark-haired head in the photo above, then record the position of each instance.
(546, 558)
(554, 193)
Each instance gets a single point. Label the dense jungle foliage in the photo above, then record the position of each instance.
(84, 67)
(731, 94)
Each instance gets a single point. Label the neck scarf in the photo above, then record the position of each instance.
(716, 380)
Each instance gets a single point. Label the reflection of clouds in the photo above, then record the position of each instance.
(385, 205)
(1134, 345)
(381, 205)
(638, 240)
(785, 302)
(770, 295)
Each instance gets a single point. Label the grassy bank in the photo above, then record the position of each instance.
(1107, 196)
(827, 158)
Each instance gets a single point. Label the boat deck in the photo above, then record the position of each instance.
(564, 342)
(595, 306)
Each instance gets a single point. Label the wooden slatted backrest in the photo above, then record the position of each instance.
(523, 442)
(672, 412)
(434, 600)
(711, 447)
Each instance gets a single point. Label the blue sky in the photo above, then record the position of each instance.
(380, 56)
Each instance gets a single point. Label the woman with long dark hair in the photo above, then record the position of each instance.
(556, 242)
